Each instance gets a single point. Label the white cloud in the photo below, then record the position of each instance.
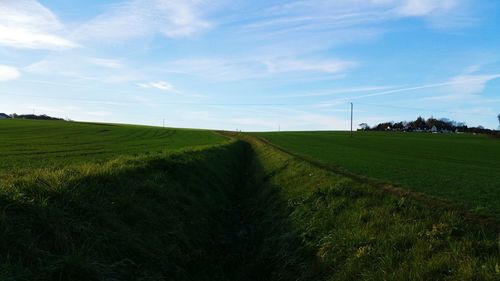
(418, 8)
(219, 69)
(336, 91)
(294, 65)
(456, 88)
(331, 16)
(139, 18)
(28, 24)
(160, 85)
(76, 66)
(107, 63)
(469, 85)
(257, 66)
(8, 73)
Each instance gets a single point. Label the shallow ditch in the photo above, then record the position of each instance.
(238, 211)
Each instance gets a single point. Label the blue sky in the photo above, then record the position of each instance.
(251, 65)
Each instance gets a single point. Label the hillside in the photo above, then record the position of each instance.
(39, 143)
(236, 209)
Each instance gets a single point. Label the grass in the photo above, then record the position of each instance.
(238, 209)
(461, 168)
(319, 225)
(38, 143)
(163, 216)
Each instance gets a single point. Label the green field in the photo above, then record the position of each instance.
(464, 168)
(120, 202)
(35, 143)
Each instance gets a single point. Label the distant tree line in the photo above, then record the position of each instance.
(443, 125)
(28, 116)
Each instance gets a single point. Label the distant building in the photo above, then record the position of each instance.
(434, 129)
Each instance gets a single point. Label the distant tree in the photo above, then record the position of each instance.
(442, 125)
(383, 126)
(399, 126)
(431, 122)
(419, 124)
(35, 117)
(364, 126)
(498, 119)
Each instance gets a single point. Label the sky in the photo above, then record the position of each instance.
(251, 65)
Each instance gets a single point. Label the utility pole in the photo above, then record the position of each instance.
(351, 118)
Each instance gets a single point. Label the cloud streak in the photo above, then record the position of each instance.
(141, 18)
(419, 8)
(8, 73)
(159, 85)
(341, 14)
(26, 24)
(469, 85)
(280, 65)
(473, 84)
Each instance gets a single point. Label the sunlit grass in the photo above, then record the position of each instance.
(463, 168)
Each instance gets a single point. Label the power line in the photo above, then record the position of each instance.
(351, 117)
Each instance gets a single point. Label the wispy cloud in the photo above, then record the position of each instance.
(218, 69)
(327, 15)
(466, 85)
(8, 73)
(30, 25)
(455, 88)
(108, 63)
(140, 18)
(78, 66)
(257, 66)
(159, 85)
(294, 65)
(337, 91)
(419, 8)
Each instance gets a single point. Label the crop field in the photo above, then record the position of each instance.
(35, 143)
(464, 168)
(122, 202)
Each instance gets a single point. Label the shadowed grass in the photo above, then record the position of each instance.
(163, 216)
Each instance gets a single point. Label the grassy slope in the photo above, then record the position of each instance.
(318, 225)
(463, 168)
(227, 212)
(35, 143)
(155, 217)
